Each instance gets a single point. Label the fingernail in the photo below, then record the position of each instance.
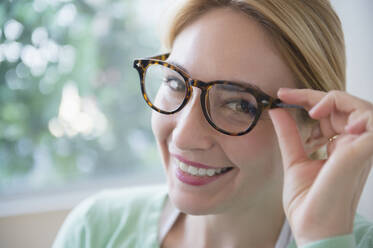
(282, 91)
(311, 111)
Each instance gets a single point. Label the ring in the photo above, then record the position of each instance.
(331, 139)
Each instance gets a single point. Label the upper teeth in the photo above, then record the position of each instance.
(198, 171)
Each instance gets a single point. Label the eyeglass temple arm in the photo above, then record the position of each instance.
(277, 103)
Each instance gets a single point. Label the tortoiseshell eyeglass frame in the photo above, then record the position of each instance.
(264, 101)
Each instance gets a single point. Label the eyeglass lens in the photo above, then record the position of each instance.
(229, 107)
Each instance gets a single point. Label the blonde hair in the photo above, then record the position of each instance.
(308, 34)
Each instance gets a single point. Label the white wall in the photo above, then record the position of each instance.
(34, 230)
(357, 20)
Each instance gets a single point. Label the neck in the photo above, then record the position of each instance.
(256, 225)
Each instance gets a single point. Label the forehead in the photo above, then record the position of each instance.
(225, 44)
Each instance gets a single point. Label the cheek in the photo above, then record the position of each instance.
(257, 155)
(257, 149)
(161, 127)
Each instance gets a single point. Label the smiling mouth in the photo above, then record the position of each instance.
(201, 172)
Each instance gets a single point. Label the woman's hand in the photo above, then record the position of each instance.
(320, 197)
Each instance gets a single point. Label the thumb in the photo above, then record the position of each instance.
(291, 146)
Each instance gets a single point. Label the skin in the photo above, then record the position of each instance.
(247, 206)
(325, 191)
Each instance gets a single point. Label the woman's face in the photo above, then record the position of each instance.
(222, 45)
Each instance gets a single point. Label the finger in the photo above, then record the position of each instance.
(360, 122)
(336, 140)
(352, 152)
(343, 170)
(330, 146)
(328, 130)
(304, 97)
(291, 145)
(336, 101)
(333, 124)
(363, 146)
(332, 109)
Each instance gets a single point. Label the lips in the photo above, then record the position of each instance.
(197, 174)
(195, 164)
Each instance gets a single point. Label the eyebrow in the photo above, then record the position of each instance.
(244, 84)
(178, 65)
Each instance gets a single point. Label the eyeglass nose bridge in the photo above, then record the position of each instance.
(204, 87)
(199, 84)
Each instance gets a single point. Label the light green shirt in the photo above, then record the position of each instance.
(130, 217)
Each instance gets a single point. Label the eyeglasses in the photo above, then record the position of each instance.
(231, 108)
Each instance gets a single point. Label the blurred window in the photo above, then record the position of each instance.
(70, 105)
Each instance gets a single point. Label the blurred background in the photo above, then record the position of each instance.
(70, 106)
(72, 120)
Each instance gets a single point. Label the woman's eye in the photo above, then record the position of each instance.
(175, 84)
(242, 106)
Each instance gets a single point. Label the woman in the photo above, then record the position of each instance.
(238, 164)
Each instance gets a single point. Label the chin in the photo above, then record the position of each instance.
(192, 204)
(191, 208)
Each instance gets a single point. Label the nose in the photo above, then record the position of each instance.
(191, 130)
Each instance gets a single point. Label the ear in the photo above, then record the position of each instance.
(314, 139)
